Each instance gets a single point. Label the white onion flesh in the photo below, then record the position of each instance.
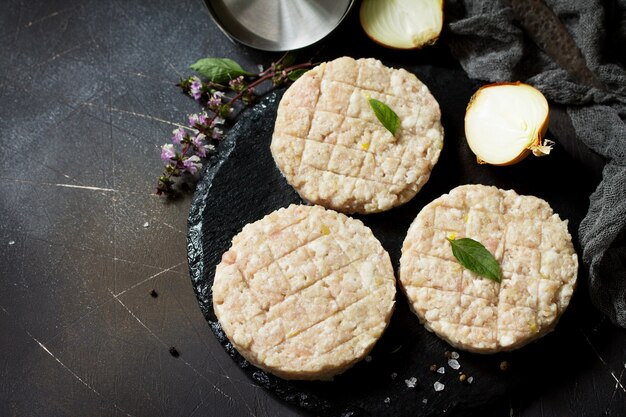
(402, 24)
(504, 122)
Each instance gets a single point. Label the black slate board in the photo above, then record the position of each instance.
(242, 184)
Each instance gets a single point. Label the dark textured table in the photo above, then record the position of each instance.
(87, 97)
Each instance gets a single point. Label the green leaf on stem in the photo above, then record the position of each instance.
(219, 70)
(289, 59)
(297, 73)
(385, 115)
(475, 257)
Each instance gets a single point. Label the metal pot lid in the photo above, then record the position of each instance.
(278, 25)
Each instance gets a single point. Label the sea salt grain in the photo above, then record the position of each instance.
(146, 224)
(387, 400)
(394, 375)
(11, 242)
(438, 386)
(441, 370)
(425, 400)
(470, 379)
(454, 355)
(410, 382)
(454, 364)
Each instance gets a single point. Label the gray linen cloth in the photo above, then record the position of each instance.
(487, 38)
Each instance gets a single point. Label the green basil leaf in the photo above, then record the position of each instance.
(289, 59)
(385, 115)
(219, 70)
(295, 74)
(475, 257)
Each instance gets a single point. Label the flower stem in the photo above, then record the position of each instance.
(275, 70)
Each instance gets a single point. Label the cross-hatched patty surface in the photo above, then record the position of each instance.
(305, 292)
(535, 253)
(333, 150)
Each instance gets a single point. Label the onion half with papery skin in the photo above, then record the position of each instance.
(402, 24)
(504, 122)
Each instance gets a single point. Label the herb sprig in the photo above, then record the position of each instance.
(475, 257)
(225, 84)
(385, 115)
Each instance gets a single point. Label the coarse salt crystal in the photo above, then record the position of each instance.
(425, 400)
(470, 379)
(454, 355)
(146, 224)
(438, 386)
(387, 400)
(11, 242)
(410, 382)
(441, 370)
(454, 364)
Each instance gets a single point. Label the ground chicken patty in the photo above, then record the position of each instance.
(333, 150)
(532, 246)
(305, 292)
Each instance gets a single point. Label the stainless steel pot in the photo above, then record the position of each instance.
(278, 25)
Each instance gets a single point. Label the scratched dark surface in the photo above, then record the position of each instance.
(86, 99)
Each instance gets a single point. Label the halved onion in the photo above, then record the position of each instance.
(402, 24)
(504, 122)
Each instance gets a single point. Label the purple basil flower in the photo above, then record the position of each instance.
(218, 121)
(167, 152)
(215, 100)
(199, 145)
(202, 119)
(195, 89)
(236, 84)
(192, 164)
(217, 133)
(179, 135)
(193, 119)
